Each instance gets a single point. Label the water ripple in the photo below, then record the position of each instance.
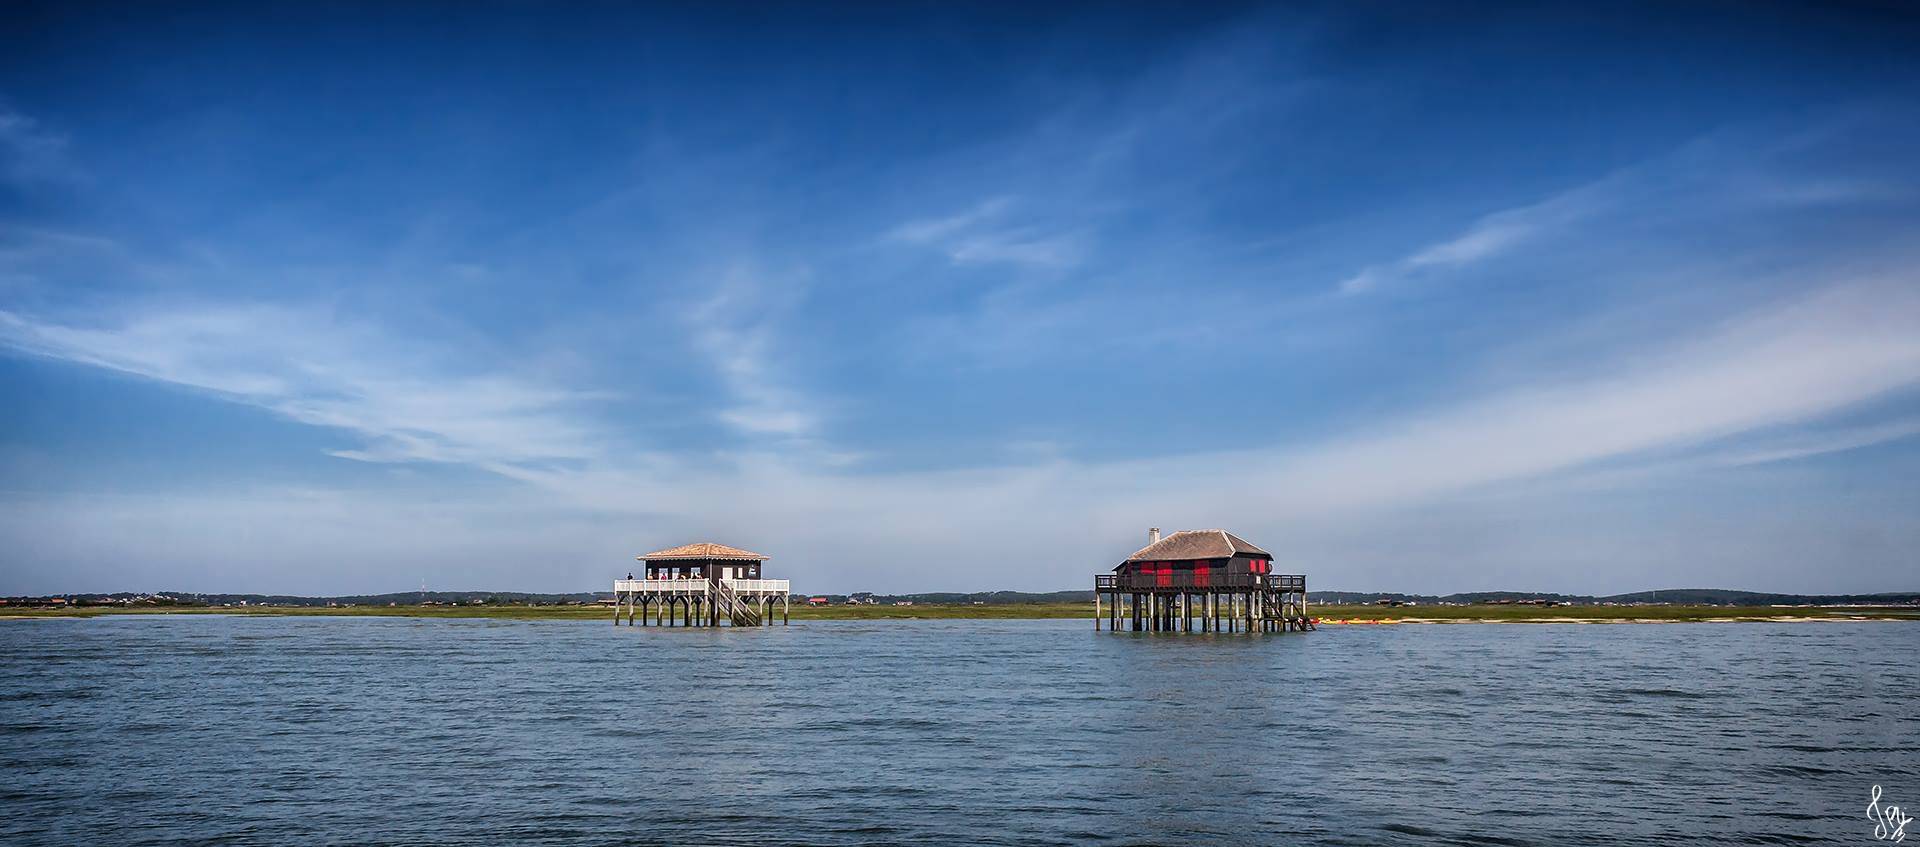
(265, 731)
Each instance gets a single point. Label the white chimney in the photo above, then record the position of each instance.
(1153, 535)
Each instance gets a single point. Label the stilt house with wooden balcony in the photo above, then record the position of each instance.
(701, 585)
(1205, 579)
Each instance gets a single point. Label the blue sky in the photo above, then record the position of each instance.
(341, 299)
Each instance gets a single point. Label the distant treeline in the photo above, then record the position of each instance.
(1677, 596)
(399, 598)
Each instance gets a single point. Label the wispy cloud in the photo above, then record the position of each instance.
(1492, 235)
(735, 329)
(1796, 362)
(308, 366)
(1717, 176)
(1809, 445)
(986, 234)
(1791, 363)
(932, 230)
(31, 153)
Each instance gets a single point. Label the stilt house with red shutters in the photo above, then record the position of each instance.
(1208, 580)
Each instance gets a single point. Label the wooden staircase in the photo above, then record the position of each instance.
(728, 602)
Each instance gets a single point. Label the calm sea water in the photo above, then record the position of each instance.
(275, 731)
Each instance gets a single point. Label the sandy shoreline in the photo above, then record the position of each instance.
(1572, 620)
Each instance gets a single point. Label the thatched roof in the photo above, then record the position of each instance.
(1189, 544)
(702, 550)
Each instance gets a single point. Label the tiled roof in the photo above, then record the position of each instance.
(1188, 544)
(702, 550)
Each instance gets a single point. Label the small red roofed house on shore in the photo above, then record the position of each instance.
(1211, 575)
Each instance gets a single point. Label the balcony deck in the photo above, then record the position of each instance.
(1207, 600)
(700, 602)
(1191, 581)
(699, 586)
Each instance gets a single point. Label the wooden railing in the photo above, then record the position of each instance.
(758, 586)
(699, 585)
(687, 585)
(1287, 582)
(1196, 580)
